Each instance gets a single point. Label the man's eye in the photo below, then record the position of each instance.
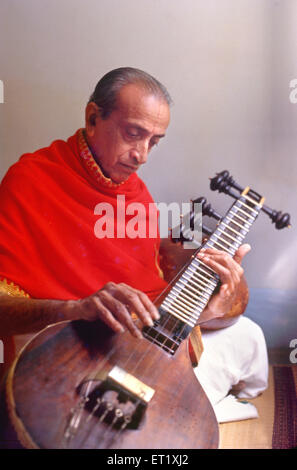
(154, 143)
(132, 133)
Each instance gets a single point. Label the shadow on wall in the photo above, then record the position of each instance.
(275, 310)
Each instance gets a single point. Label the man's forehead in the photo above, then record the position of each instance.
(134, 100)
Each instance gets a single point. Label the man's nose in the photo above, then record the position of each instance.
(139, 153)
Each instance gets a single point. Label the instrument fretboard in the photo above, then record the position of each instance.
(190, 294)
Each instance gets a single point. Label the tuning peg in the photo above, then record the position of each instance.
(173, 239)
(220, 181)
(206, 208)
(278, 218)
(181, 239)
(223, 182)
(206, 230)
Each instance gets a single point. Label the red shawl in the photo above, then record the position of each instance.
(48, 245)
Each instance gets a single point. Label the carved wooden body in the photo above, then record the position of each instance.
(43, 387)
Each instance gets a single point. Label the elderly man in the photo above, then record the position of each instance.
(52, 266)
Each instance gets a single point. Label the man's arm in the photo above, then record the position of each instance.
(112, 304)
(21, 315)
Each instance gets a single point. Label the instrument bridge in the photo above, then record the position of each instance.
(115, 399)
(131, 384)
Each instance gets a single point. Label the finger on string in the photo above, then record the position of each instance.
(222, 259)
(143, 301)
(227, 272)
(106, 316)
(241, 252)
(120, 311)
(238, 257)
(149, 305)
(131, 299)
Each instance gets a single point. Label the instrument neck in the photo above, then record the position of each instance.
(190, 294)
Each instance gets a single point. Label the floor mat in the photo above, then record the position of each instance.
(285, 411)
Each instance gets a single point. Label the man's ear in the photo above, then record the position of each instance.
(91, 115)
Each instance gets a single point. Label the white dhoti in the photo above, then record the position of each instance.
(233, 354)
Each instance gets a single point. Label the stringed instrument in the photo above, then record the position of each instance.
(79, 385)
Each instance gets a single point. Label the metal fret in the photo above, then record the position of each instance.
(180, 291)
(232, 229)
(197, 297)
(197, 263)
(177, 313)
(183, 304)
(223, 247)
(236, 223)
(195, 284)
(194, 290)
(201, 289)
(195, 271)
(207, 286)
(187, 313)
(249, 207)
(241, 210)
(204, 271)
(198, 303)
(226, 234)
(197, 281)
(180, 308)
(220, 238)
(185, 299)
(241, 218)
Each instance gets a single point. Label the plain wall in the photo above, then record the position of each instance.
(227, 65)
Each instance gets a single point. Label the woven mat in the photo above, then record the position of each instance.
(285, 412)
(252, 433)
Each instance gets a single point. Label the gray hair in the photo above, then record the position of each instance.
(107, 89)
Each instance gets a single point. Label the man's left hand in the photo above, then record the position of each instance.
(230, 272)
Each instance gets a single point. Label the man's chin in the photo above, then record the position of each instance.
(121, 177)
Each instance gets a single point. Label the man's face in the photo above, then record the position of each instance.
(122, 142)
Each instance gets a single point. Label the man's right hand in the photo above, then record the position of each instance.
(114, 303)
